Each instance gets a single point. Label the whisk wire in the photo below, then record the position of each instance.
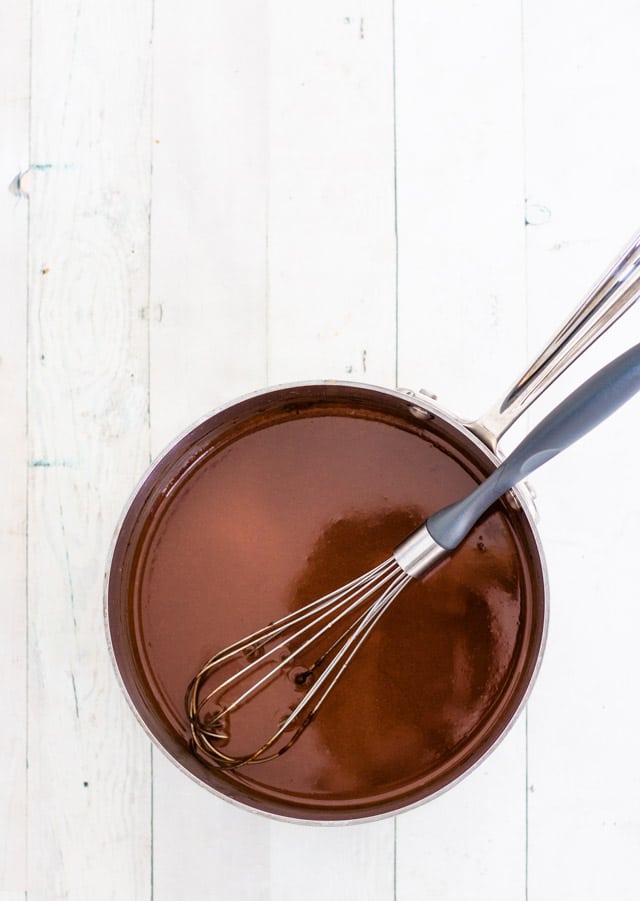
(263, 636)
(337, 605)
(360, 631)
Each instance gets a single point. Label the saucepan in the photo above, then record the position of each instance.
(284, 494)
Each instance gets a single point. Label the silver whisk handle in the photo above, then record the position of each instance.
(419, 552)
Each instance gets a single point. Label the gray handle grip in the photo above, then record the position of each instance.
(584, 409)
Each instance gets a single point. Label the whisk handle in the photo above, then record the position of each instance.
(580, 412)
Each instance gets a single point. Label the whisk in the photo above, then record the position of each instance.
(357, 606)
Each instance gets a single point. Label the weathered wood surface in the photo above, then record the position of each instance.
(204, 199)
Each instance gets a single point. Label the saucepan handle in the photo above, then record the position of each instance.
(582, 411)
(613, 294)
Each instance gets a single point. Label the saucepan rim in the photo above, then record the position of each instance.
(408, 397)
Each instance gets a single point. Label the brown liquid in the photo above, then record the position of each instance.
(291, 509)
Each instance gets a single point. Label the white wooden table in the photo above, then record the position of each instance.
(203, 198)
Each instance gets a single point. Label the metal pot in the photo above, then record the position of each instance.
(139, 650)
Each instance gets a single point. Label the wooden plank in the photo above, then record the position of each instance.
(203, 846)
(342, 862)
(209, 210)
(458, 845)
(14, 153)
(88, 185)
(331, 202)
(584, 725)
(331, 310)
(208, 271)
(460, 201)
(462, 335)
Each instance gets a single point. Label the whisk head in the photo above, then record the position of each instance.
(328, 632)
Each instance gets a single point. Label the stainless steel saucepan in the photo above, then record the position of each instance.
(137, 646)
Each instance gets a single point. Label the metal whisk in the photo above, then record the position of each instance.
(359, 605)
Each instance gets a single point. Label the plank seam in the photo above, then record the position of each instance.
(395, 184)
(26, 468)
(148, 326)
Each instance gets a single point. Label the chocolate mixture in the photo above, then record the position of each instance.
(291, 508)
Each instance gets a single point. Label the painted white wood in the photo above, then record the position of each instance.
(462, 336)
(342, 862)
(210, 276)
(203, 847)
(331, 311)
(88, 186)
(471, 842)
(208, 262)
(14, 154)
(584, 723)
(460, 200)
(208, 341)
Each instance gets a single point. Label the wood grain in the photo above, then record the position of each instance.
(89, 783)
(331, 240)
(208, 225)
(14, 153)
